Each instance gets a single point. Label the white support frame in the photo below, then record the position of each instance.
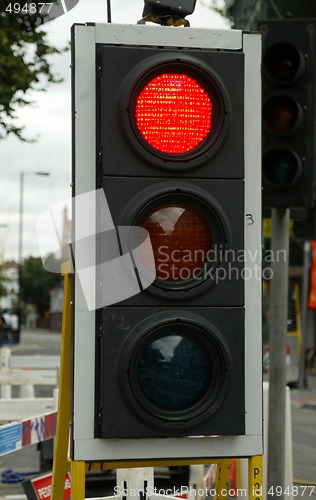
(85, 446)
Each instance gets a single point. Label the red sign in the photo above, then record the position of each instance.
(40, 488)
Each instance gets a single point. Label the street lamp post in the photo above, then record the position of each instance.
(20, 255)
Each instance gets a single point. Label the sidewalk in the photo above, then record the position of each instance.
(38, 341)
(305, 398)
(303, 413)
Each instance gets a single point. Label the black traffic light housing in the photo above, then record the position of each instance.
(288, 112)
(146, 177)
(186, 398)
(147, 185)
(167, 129)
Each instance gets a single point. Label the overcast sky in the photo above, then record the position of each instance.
(50, 120)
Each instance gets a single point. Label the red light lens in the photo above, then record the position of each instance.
(180, 238)
(173, 113)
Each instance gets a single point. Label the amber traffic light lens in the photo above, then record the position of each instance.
(282, 115)
(180, 237)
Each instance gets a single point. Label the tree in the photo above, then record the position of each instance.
(24, 64)
(36, 284)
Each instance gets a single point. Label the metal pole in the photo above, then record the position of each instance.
(21, 218)
(302, 379)
(277, 343)
(19, 311)
(109, 15)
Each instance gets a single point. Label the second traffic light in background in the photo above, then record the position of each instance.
(288, 113)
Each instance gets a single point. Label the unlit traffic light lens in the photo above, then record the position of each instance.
(174, 372)
(282, 115)
(181, 238)
(174, 113)
(179, 370)
(281, 168)
(283, 63)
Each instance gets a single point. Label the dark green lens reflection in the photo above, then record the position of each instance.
(280, 167)
(174, 372)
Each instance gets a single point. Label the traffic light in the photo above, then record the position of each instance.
(288, 112)
(176, 120)
(174, 131)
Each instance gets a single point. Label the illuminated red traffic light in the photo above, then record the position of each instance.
(174, 113)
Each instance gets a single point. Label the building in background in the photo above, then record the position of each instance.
(57, 294)
(10, 282)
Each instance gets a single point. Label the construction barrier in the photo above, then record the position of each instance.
(26, 420)
(17, 435)
(26, 372)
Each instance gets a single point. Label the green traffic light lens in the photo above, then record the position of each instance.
(179, 371)
(174, 372)
(283, 63)
(282, 115)
(281, 168)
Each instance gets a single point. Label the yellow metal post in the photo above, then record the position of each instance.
(222, 479)
(238, 474)
(60, 464)
(78, 471)
(255, 483)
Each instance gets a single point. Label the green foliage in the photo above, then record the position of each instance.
(24, 64)
(36, 284)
